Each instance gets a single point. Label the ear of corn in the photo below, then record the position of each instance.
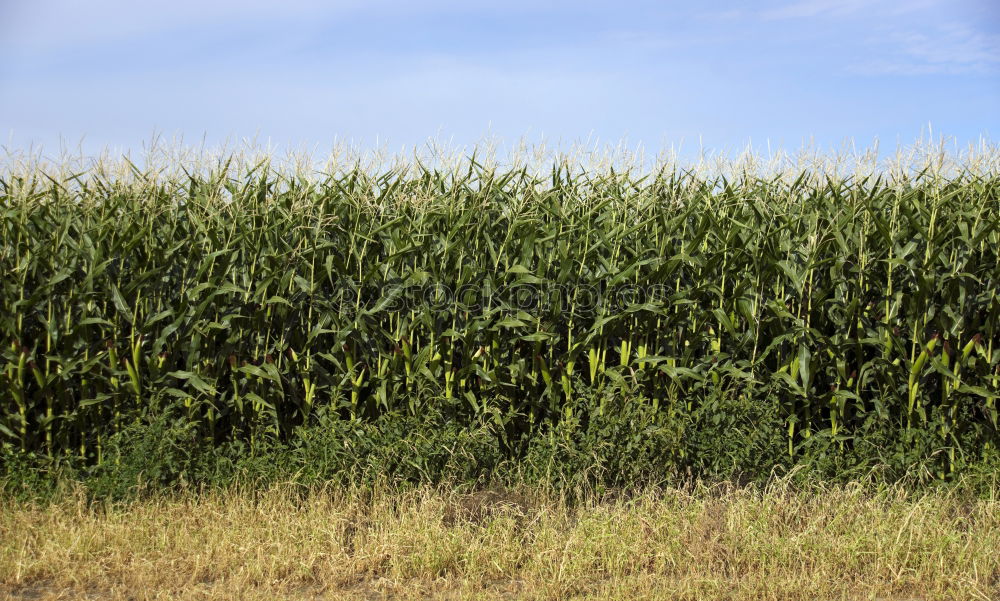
(257, 297)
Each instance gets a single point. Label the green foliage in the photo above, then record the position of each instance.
(640, 324)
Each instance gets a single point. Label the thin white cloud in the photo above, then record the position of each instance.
(955, 44)
(722, 15)
(805, 9)
(948, 49)
(58, 24)
(42, 25)
(817, 8)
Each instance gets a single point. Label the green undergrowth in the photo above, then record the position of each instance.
(615, 446)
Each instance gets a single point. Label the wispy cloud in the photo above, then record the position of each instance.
(802, 9)
(722, 15)
(817, 8)
(948, 49)
(956, 45)
(45, 25)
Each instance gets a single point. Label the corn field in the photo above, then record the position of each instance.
(257, 298)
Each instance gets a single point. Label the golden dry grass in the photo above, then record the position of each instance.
(838, 543)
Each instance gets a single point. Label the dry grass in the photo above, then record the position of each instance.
(839, 543)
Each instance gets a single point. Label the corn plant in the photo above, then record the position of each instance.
(256, 297)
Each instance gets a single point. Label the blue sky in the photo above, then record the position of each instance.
(304, 73)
